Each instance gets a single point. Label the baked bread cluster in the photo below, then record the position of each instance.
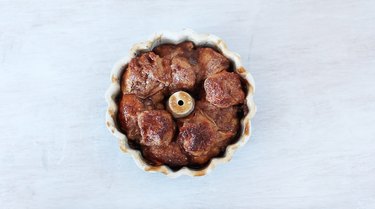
(148, 81)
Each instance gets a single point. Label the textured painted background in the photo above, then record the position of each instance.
(313, 144)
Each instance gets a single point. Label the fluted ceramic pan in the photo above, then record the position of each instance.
(175, 38)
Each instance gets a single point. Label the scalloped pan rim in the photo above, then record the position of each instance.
(175, 38)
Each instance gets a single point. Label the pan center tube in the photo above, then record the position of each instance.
(180, 104)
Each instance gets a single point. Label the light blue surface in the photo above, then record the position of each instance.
(313, 144)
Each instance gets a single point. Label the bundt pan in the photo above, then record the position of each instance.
(174, 38)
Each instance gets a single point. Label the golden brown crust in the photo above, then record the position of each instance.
(145, 76)
(210, 62)
(200, 138)
(148, 82)
(183, 75)
(171, 155)
(169, 51)
(197, 136)
(129, 108)
(157, 127)
(224, 89)
(155, 101)
(177, 59)
(225, 119)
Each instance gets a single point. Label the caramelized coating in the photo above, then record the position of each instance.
(165, 50)
(200, 138)
(153, 76)
(157, 127)
(169, 51)
(224, 89)
(183, 75)
(177, 58)
(187, 46)
(129, 108)
(157, 98)
(155, 101)
(145, 75)
(225, 119)
(210, 62)
(171, 155)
